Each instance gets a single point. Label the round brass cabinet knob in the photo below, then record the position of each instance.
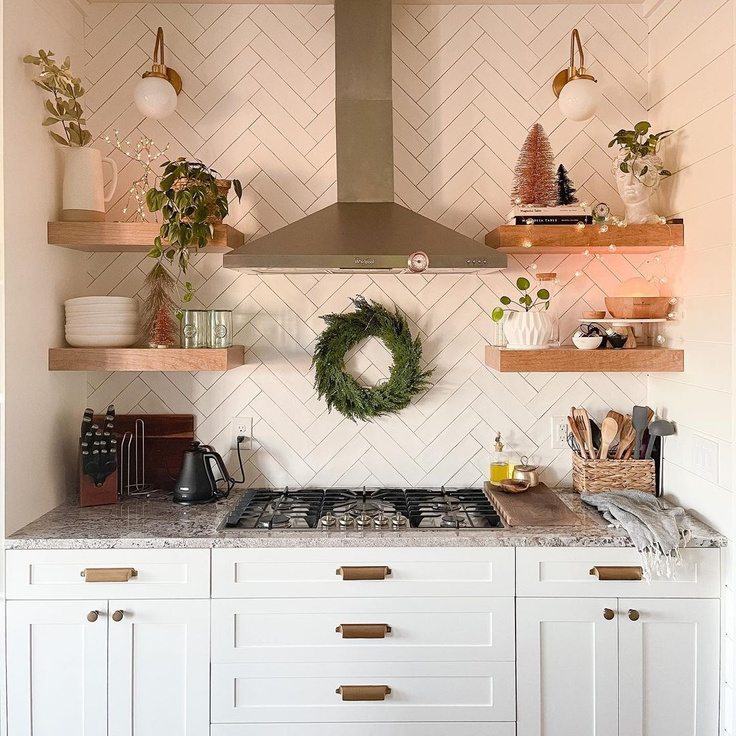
(117, 615)
(608, 614)
(92, 616)
(633, 614)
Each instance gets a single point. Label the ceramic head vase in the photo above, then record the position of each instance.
(636, 188)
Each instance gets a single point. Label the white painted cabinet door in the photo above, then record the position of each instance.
(567, 669)
(668, 667)
(57, 668)
(159, 668)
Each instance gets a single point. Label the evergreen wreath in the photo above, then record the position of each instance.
(343, 332)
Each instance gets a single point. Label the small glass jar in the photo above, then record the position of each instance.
(195, 328)
(221, 328)
(550, 282)
(498, 339)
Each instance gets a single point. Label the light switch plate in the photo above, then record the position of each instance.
(705, 458)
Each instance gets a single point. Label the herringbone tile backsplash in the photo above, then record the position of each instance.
(258, 105)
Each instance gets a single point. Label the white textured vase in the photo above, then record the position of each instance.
(83, 191)
(527, 330)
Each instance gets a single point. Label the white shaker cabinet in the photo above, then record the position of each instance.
(567, 667)
(668, 667)
(108, 668)
(57, 668)
(159, 674)
(98, 658)
(617, 667)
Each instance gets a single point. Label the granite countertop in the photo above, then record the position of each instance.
(157, 523)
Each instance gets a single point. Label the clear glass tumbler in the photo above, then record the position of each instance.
(195, 328)
(221, 328)
(550, 282)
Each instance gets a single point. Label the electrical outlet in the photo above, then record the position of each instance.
(705, 458)
(241, 427)
(559, 433)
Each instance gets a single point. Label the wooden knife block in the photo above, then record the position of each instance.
(92, 495)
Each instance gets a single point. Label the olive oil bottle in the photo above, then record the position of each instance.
(499, 462)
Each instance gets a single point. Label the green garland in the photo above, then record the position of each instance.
(343, 332)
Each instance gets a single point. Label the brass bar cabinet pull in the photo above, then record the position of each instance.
(108, 574)
(613, 572)
(363, 631)
(378, 572)
(608, 614)
(363, 692)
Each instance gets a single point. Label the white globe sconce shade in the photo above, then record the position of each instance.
(577, 92)
(579, 98)
(155, 97)
(156, 94)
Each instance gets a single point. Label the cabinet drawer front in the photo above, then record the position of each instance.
(57, 574)
(306, 693)
(421, 630)
(567, 572)
(365, 729)
(315, 573)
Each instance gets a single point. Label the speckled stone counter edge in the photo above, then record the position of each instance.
(157, 523)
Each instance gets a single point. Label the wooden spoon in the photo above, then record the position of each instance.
(618, 417)
(578, 437)
(623, 434)
(609, 431)
(627, 444)
(587, 431)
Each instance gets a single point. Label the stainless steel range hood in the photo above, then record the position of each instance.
(366, 231)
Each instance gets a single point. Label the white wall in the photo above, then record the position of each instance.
(691, 90)
(42, 409)
(258, 104)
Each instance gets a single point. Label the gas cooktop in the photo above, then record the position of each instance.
(363, 509)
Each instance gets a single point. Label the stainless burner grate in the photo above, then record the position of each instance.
(363, 509)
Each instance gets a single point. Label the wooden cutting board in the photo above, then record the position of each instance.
(539, 506)
(167, 437)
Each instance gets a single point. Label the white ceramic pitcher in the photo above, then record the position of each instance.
(83, 191)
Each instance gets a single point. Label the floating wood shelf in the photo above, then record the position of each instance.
(571, 360)
(145, 359)
(568, 239)
(128, 237)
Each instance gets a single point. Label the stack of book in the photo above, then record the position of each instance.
(569, 214)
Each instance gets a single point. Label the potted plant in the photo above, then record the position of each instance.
(639, 170)
(83, 195)
(529, 326)
(192, 199)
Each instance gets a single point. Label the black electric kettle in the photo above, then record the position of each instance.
(197, 482)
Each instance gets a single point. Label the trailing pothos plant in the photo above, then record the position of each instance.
(526, 301)
(64, 107)
(190, 200)
(638, 152)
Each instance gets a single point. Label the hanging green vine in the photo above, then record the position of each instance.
(343, 332)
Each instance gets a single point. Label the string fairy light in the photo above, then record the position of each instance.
(146, 153)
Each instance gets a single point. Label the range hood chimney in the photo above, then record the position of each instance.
(366, 231)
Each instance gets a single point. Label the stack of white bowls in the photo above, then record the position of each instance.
(102, 322)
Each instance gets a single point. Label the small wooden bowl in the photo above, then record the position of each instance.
(595, 314)
(511, 485)
(637, 307)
